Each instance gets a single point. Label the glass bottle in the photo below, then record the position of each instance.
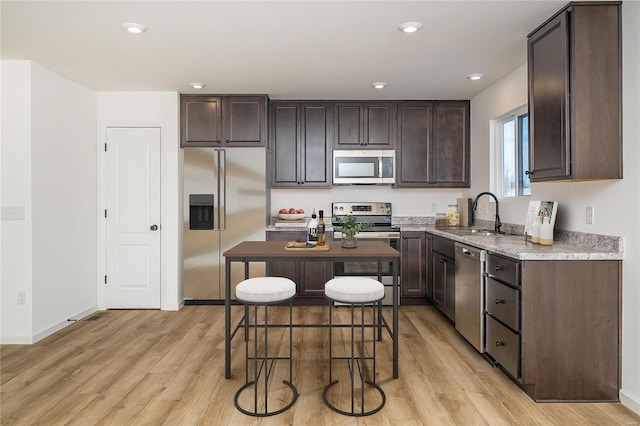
(321, 228)
(312, 230)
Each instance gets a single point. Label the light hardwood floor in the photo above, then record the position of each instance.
(152, 367)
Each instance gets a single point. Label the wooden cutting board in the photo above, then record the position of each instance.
(289, 246)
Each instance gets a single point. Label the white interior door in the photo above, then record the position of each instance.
(132, 190)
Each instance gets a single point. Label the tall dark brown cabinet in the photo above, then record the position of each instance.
(575, 93)
(300, 144)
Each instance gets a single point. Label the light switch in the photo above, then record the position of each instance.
(13, 213)
(590, 215)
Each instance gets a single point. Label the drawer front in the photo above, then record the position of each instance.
(444, 246)
(502, 302)
(503, 345)
(503, 269)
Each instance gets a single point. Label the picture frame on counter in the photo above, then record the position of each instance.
(538, 209)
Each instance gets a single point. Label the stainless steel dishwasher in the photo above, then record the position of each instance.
(470, 264)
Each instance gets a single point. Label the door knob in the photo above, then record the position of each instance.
(154, 227)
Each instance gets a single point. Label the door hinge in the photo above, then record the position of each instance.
(105, 279)
(105, 147)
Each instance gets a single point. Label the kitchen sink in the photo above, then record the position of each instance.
(471, 231)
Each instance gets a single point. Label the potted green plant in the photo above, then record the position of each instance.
(349, 228)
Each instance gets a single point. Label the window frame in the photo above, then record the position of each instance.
(515, 116)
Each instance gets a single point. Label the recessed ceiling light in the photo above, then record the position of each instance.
(411, 27)
(134, 28)
(476, 76)
(197, 85)
(379, 85)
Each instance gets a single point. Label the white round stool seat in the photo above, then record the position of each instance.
(354, 289)
(265, 290)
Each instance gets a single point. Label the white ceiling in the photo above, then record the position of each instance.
(286, 49)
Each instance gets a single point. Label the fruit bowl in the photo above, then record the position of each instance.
(291, 216)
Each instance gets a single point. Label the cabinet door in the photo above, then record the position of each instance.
(244, 119)
(284, 145)
(444, 297)
(439, 279)
(451, 149)
(367, 125)
(301, 143)
(548, 74)
(316, 122)
(200, 120)
(313, 276)
(429, 266)
(413, 266)
(450, 289)
(415, 126)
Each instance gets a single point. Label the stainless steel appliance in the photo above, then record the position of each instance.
(378, 217)
(224, 204)
(364, 166)
(469, 293)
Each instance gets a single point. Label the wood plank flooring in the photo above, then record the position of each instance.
(145, 367)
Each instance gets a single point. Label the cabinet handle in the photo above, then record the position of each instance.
(218, 141)
(441, 260)
(404, 238)
(499, 343)
(499, 301)
(227, 141)
(499, 268)
(528, 172)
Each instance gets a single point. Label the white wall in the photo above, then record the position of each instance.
(154, 109)
(48, 123)
(16, 262)
(616, 202)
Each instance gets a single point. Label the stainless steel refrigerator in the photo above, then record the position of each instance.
(224, 204)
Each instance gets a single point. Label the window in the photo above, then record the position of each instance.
(512, 148)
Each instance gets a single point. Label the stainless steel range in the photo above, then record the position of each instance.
(378, 216)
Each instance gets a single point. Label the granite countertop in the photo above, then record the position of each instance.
(566, 246)
(515, 247)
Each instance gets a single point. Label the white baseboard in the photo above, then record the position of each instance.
(632, 402)
(62, 324)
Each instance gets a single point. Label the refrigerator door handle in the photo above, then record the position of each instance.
(222, 190)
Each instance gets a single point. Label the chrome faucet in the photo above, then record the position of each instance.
(498, 224)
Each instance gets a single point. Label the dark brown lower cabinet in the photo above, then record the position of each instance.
(570, 330)
(309, 277)
(443, 269)
(413, 268)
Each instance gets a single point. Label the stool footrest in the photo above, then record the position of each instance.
(269, 413)
(355, 413)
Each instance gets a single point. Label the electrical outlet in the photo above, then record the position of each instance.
(590, 216)
(22, 297)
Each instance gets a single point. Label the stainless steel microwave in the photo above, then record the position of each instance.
(364, 167)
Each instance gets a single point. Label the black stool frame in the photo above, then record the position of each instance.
(353, 360)
(264, 364)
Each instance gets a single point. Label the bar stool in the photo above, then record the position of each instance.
(355, 291)
(256, 292)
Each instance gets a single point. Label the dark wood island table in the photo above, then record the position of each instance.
(263, 251)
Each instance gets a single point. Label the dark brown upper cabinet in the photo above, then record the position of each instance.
(433, 144)
(365, 125)
(301, 139)
(575, 86)
(217, 121)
